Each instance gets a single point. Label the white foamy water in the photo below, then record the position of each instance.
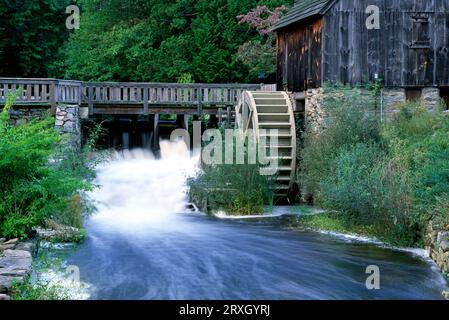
(136, 190)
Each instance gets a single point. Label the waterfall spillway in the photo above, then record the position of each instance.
(136, 190)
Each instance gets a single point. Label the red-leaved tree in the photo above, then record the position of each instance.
(260, 54)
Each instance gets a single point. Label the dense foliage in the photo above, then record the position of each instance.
(159, 40)
(32, 33)
(391, 177)
(40, 178)
(141, 40)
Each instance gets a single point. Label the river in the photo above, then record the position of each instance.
(141, 245)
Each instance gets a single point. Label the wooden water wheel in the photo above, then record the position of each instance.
(256, 113)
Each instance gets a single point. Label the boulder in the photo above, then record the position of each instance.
(442, 236)
(2, 240)
(4, 297)
(59, 233)
(19, 254)
(13, 272)
(4, 247)
(17, 260)
(12, 241)
(444, 245)
(28, 246)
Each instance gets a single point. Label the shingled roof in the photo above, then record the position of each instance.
(303, 9)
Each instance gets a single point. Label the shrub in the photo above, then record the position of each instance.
(39, 177)
(420, 141)
(370, 190)
(391, 178)
(350, 119)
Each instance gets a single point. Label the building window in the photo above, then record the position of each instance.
(421, 31)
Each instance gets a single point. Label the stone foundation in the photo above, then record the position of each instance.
(437, 244)
(431, 98)
(314, 112)
(68, 124)
(392, 99)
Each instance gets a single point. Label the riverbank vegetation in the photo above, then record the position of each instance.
(50, 279)
(237, 189)
(232, 188)
(389, 177)
(42, 178)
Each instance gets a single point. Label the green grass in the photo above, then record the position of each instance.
(332, 222)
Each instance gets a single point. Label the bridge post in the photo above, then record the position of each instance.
(229, 115)
(90, 96)
(53, 97)
(145, 101)
(200, 101)
(156, 132)
(68, 123)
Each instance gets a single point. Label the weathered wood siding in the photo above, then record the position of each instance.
(398, 52)
(300, 56)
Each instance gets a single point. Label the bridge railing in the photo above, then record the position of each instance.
(54, 91)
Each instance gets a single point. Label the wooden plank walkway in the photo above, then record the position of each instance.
(127, 97)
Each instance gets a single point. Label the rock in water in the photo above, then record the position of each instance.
(446, 295)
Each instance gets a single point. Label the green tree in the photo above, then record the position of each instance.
(155, 40)
(31, 34)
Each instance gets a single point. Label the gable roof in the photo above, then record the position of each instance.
(303, 9)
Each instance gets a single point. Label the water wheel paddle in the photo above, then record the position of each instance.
(259, 111)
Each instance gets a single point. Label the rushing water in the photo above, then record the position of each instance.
(141, 246)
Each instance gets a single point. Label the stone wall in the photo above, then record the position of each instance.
(437, 244)
(15, 263)
(68, 123)
(25, 114)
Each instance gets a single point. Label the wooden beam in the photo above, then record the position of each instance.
(145, 101)
(200, 101)
(90, 95)
(53, 98)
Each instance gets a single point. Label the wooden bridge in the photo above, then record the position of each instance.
(127, 97)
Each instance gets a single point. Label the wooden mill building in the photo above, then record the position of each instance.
(337, 41)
